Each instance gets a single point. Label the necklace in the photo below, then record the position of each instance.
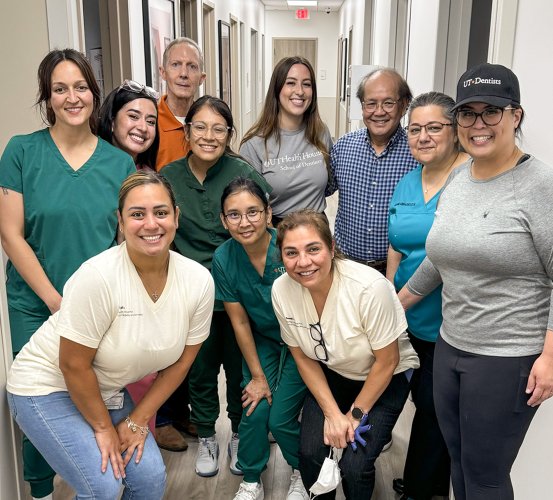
(442, 177)
(154, 294)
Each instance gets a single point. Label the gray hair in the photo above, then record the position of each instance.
(402, 86)
(187, 41)
(445, 102)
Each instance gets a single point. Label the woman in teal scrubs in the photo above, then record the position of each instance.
(57, 206)
(433, 142)
(244, 269)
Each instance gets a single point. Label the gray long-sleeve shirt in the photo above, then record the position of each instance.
(491, 245)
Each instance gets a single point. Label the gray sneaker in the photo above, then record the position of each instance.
(233, 454)
(207, 463)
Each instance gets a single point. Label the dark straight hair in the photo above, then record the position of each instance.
(45, 71)
(244, 184)
(218, 106)
(111, 106)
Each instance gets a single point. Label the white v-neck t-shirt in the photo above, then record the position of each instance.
(106, 307)
(361, 313)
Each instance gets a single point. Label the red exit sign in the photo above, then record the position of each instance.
(302, 14)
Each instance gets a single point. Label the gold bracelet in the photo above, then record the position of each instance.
(133, 426)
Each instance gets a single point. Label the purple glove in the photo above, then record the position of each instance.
(361, 428)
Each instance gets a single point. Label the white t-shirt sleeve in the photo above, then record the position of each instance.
(382, 314)
(86, 311)
(285, 331)
(200, 320)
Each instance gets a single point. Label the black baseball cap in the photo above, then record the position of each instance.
(489, 83)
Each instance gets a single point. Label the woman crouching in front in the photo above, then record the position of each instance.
(346, 329)
(132, 310)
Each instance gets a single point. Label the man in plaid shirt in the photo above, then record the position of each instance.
(367, 164)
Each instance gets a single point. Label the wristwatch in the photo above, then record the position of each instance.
(357, 413)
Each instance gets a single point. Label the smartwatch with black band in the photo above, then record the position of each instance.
(357, 413)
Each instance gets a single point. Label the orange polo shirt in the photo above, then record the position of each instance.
(172, 143)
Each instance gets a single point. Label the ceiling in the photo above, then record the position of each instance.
(323, 5)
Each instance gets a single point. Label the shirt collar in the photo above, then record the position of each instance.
(166, 118)
(398, 135)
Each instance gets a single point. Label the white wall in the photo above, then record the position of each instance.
(323, 27)
(136, 38)
(20, 63)
(532, 65)
(382, 19)
(427, 31)
(351, 13)
(23, 44)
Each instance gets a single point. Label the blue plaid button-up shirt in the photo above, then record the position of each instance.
(366, 182)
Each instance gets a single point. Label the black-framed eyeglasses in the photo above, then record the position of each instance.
(388, 105)
(252, 215)
(490, 116)
(316, 333)
(432, 128)
(138, 88)
(200, 129)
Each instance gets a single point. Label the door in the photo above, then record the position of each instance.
(286, 47)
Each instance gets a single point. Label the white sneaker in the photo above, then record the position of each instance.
(207, 459)
(233, 455)
(250, 491)
(296, 490)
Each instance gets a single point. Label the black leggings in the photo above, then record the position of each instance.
(427, 469)
(482, 410)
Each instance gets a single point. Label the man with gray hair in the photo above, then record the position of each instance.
(366, 165)
(183, 71)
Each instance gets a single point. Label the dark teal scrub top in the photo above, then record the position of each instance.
(236, 280)
(70, 215)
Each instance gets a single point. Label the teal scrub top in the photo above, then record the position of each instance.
(410, 220)
(70, 215)
(236, 280)
(200, 229)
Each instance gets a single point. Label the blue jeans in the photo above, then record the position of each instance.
(65, 439)
(357, 468)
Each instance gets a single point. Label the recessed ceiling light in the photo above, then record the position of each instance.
(302, 3)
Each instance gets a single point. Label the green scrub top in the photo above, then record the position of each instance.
(236, 280)
(200, 229)
(70, 215)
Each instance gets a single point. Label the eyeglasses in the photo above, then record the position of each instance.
(138, 88)
(235, 218)
(490, 116)
(316, 333)
(200, 129)
(432, 128)
(388, 105)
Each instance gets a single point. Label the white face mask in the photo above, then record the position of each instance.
(329, 477)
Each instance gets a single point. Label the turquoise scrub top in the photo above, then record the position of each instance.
(236, 280)
(410, 220)
(70, 215)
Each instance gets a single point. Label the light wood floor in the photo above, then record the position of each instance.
(184, 484)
